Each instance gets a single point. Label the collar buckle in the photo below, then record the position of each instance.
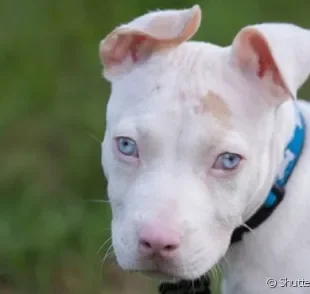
(279, 191)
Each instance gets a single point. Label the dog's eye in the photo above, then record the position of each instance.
(227, 161)
(127, 146)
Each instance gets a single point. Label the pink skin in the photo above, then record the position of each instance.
(157, 241)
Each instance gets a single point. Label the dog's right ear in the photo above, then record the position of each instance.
(132, 43)
(276, 55)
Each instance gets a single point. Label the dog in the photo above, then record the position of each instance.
(197, 136)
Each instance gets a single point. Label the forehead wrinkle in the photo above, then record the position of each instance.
(188, 59)
(159, 123)
(147, 126)
(194, 57)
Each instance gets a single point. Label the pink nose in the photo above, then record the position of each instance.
(157, 240)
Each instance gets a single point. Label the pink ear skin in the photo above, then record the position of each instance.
(118, 51)
(266, 62)
(135, 41)
(138, 40)
(252, 53)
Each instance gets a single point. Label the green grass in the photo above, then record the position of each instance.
(52, 119)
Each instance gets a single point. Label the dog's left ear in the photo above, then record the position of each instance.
(274, 56)
(130, 45)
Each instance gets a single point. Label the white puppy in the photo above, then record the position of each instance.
(195, 137)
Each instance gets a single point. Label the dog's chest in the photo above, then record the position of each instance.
(272, 254)
(258, 271)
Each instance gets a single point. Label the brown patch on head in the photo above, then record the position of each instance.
(213, 103)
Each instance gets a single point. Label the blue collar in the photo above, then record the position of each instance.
(291, 155)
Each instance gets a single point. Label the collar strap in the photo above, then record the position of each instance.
(291, 155)
(199, 286)
(274, 198)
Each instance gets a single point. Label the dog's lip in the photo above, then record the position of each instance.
(165, 273)
(160, 275)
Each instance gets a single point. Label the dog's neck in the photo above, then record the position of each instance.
(283, 132)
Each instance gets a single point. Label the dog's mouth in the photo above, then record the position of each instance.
(172, 271)
(161, 276)
(165, 274)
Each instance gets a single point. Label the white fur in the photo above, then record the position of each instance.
(173, 183)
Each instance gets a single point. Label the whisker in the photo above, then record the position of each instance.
(215, 276)
(113, 263)
(259, 264)
(94, 137)
(107, 254)
(221, 269)
(106, 241)
(212, 273)
(219, 272)
(105, 229)
(98, 201)
(112, 253)
(250, 229)
(226, 260)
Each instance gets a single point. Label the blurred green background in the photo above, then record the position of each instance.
(52, 116)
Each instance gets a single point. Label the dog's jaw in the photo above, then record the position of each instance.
(183, 105)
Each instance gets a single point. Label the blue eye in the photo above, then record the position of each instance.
(126, 146)
(227, 161)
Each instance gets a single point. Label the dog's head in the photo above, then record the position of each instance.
(189, 139)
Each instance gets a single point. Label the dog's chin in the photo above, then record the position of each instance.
(165, 276)
(166, 273)
(161, 276)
